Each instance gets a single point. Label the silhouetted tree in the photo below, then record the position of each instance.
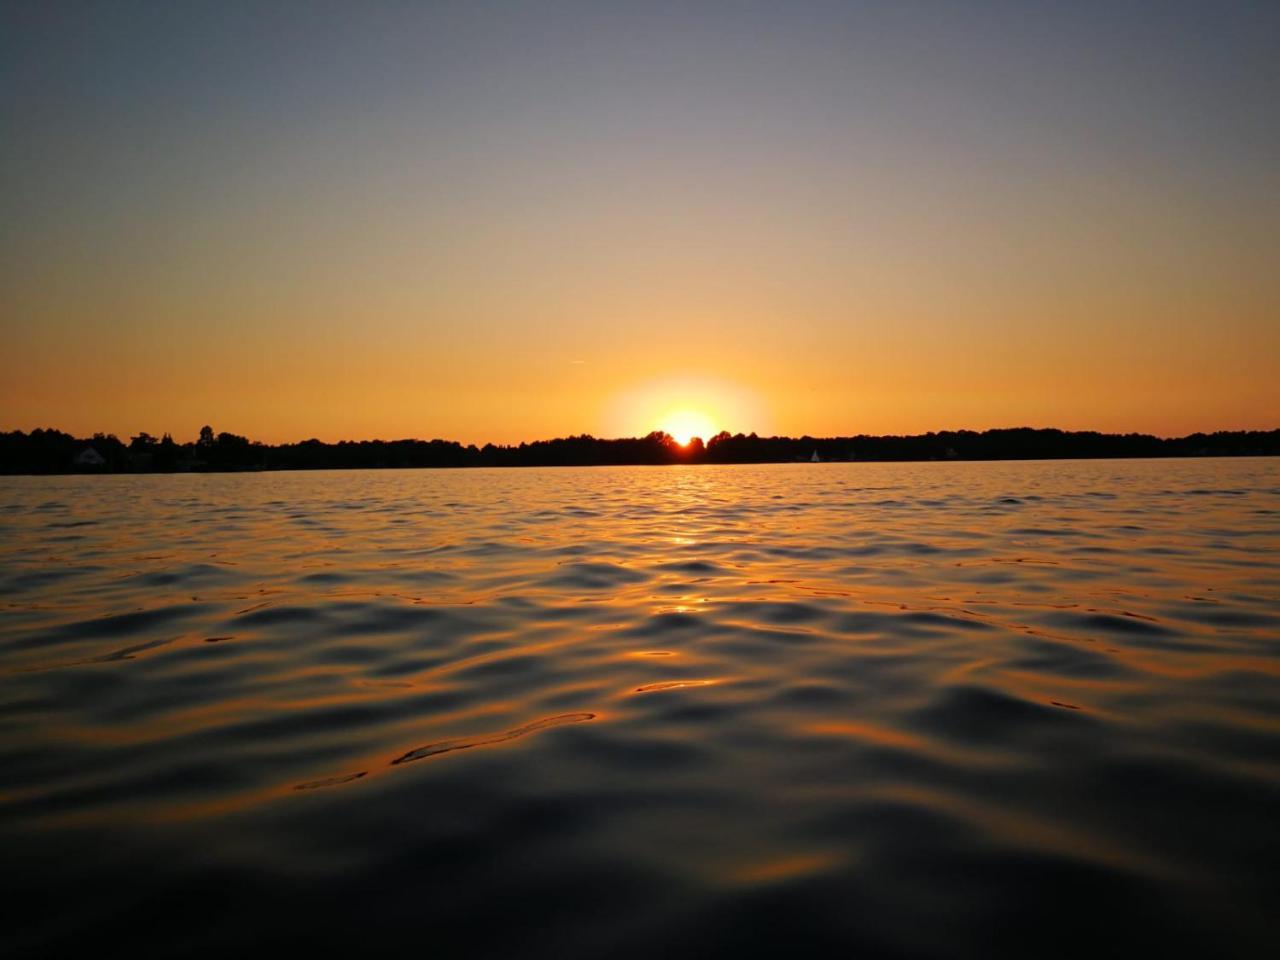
(166, 454)
(52, 451)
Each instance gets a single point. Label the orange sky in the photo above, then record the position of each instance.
(457, 225)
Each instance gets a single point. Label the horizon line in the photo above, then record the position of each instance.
(88, 438)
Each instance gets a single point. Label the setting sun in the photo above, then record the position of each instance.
(684, 407)
(684, 425)
(853, 427)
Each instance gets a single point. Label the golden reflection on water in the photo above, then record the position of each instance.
(725, 678)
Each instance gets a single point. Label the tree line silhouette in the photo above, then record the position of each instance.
(52, 451)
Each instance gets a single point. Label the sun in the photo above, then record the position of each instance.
(684, 425)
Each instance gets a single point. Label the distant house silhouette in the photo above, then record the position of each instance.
(47, 451)
(89, 457)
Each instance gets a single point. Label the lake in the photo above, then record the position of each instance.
(923, 709)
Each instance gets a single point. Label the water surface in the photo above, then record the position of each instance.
(903, 709)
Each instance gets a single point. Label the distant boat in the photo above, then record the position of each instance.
(815, 458)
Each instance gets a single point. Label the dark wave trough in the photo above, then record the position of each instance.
(907, 710)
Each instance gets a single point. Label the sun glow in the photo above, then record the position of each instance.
(684, 407)
(684, 425)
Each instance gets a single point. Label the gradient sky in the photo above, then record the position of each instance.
(493, 221)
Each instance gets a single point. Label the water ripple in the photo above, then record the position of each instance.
(912, 710)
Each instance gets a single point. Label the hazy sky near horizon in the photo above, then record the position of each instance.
(501, 221)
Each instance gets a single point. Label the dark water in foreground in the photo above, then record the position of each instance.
(904, 709)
